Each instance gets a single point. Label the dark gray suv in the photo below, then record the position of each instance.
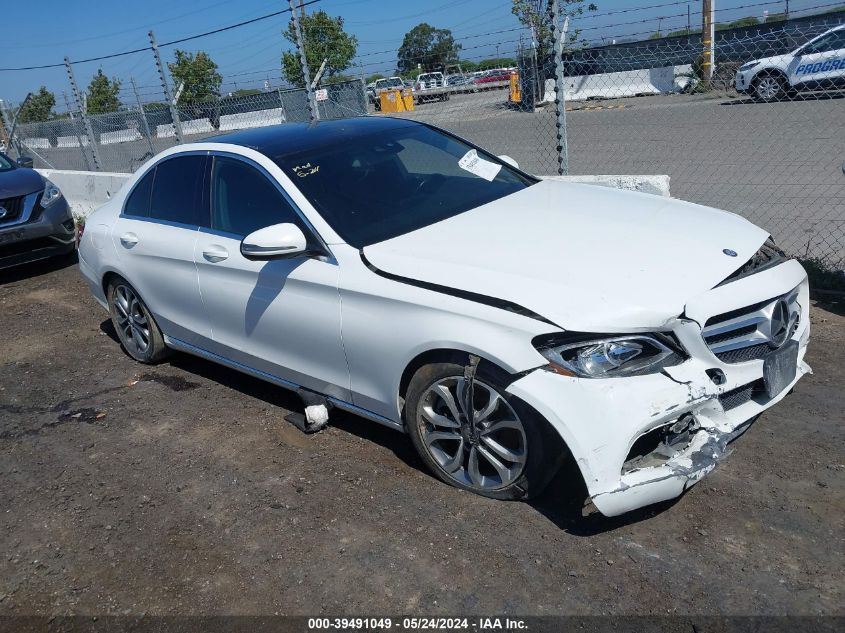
(35, 220)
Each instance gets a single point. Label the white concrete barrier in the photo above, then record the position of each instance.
(165, 130)
(648, 81)
(657, 185)
(87, 190)
(197, 126)
(71, 141)
(258, 118)
(119, 136)
(37, 143)
(192, 126)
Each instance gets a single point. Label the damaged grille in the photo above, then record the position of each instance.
(768, 255)
(753, 332)
(739, 396)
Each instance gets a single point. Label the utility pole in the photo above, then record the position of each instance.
(86, 122)
(689, 21)
(786, 13)
(174, 112)
(143, 115)
(306, 75)
(708, 33)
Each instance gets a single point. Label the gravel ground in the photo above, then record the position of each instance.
(179, 489)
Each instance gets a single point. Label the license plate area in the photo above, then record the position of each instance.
(780, 368)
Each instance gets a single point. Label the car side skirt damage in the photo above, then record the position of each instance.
(494, 302)
(182, 346)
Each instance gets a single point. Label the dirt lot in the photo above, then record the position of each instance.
(179, 489)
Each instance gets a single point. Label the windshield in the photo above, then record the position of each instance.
(6, 163)
(392, 182)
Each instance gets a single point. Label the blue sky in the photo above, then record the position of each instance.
(44, 32)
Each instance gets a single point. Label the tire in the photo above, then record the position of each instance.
(136, 328)
(535, 450)
(770, 88)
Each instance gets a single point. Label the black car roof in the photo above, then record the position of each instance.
(276, 140)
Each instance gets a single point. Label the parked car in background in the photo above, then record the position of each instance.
(493, 77)
(817, 65)
(375, 89)
(399, 272)
(457, 80)
(35, 220)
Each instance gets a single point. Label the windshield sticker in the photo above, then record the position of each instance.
(306, 170)
(474, 164)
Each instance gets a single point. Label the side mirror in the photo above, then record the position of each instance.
(507, 159)
(25, 161)
(276, 241)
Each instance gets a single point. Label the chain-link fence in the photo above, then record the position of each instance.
(772, 151)
(122, 141)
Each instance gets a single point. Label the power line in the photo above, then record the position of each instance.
(170, 43)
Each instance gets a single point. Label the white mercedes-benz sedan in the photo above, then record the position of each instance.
(504, 322)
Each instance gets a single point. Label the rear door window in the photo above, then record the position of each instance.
(138, 203)
(177, 190)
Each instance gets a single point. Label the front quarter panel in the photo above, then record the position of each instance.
(387, 324)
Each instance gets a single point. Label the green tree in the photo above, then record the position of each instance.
(102, 94)
(535, 15)
(428, 47)
(198, 73)
(372, 78)
(39, 107)
(324, 38)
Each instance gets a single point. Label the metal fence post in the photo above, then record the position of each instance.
(174, 111)
(76, 134)
(306, 75)
(86, 122)
(559, 39)
(143, 115)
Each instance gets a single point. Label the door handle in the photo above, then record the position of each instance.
(128, 240)
(215, 253)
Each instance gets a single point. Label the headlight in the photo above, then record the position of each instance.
(749, 66)
(50, 195)
(610, 357)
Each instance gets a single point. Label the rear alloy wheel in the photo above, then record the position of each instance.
(138, 332)
(770, 88)
(485, 442)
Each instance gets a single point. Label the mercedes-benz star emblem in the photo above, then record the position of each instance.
(780, 324)
(729, 252)
(3, 212)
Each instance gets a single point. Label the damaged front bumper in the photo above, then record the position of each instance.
(645, 439)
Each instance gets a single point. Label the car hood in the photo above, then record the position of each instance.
(585, 257)
(781, 61)
(19, 182)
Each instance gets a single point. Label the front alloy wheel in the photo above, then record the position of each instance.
(769, 88)
(477, 439)
(483, 439)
